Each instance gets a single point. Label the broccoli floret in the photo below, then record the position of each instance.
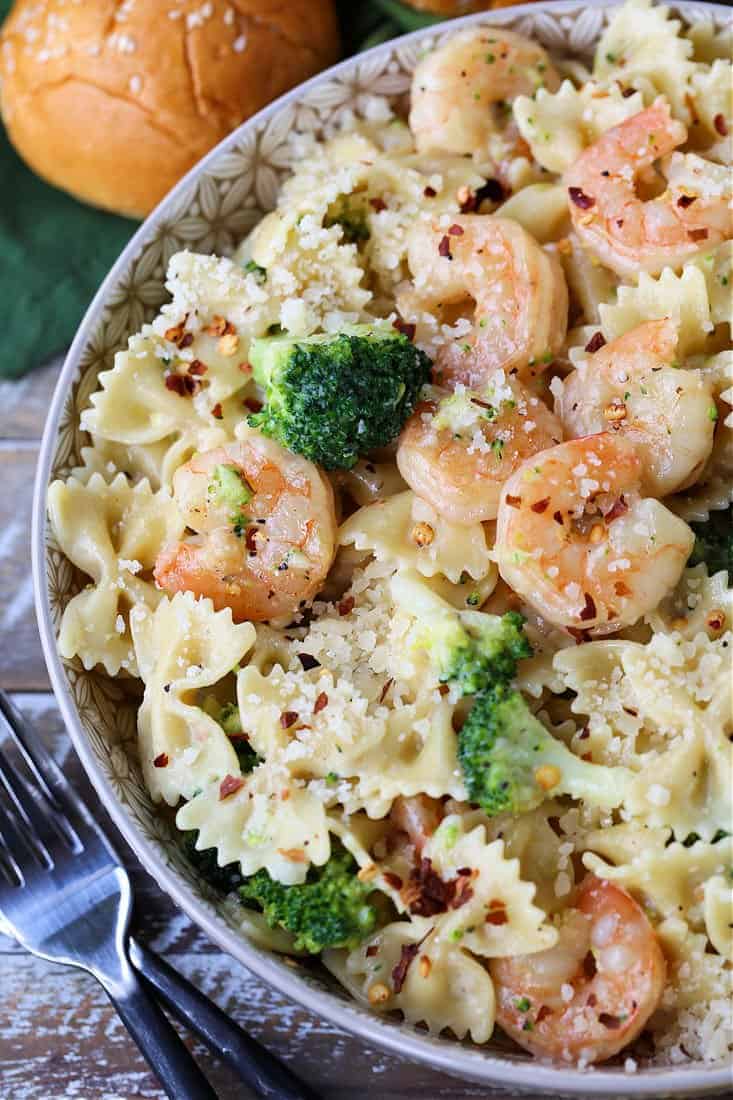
(229, 487)
(353, 221)
(226, 879)
(330, 909)
(335, 397)
(228, 717)
(475, 650)
(714, 542)
(512, 763)
(471, 649)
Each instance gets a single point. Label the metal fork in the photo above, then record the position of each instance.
(66, 897)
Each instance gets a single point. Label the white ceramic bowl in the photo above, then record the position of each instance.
(209, 211)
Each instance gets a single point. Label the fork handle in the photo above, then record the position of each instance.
(161, 1046)
(258, 1068)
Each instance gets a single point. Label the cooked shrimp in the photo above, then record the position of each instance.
(266, 530)
(462, 91)
(418, 816)
(577, 541)
(518, 290)
(590, 995)
(625, 232)
(457, 450)
(631, 386)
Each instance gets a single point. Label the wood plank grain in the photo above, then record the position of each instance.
(22, 665)
(24, 403)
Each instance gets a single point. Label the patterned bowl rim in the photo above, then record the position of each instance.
(479, 1064)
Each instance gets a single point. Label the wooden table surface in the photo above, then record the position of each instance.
(59, 1037)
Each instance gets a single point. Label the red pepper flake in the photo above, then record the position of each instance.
(618, 508)
(720, 125)
(392, 880)
(252, 404)
(229, 785)
(609, 1021)
(347, 605)
(288, 718)
(430, 192)
(595, 343)
(378, 204)
(628, 92)
(246, 368)
(497, 912)
(686, 200)
(161, 760)
(219, 327)
(456, 230)
(513, 502)
(177, 334)
(543, 1013)
(557, 516)
(540, 506)
(216, 411)
(372, 950)
(621, 589)
(182, 384)
(444, 248)
(589, 611)
(197, 367)
(697, 234)
(463, 890)
(580, 199)
(404, 327)
(385, 689)
(426, 894)
(250, 539)
(407, 953)
(321, 703)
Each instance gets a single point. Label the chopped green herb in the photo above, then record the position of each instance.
(260, 273)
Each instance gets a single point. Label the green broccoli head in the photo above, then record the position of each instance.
(511, 763)
(333, 398)
(330, 909)
(224, 879)
(471, 649)
(714, 542)
(475, 650)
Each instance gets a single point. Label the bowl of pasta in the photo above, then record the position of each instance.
(381, 531)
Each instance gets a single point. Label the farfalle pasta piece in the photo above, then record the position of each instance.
(718, 914)
(688, 609)
(641, 40)
(137, 407)
(559, 125)
(717, 268)
(684, 297)
(263, 820)
(431, 981)
(712, 95)
(668, 880)
(407, 531)
(111, 532)
(498, 916)
(183, 647)
(709, 41)
(367, 759)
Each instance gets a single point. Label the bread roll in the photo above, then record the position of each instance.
(113, 100)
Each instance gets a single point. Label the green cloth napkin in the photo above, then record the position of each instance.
(55, 251)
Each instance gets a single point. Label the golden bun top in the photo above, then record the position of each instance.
(113, 100)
